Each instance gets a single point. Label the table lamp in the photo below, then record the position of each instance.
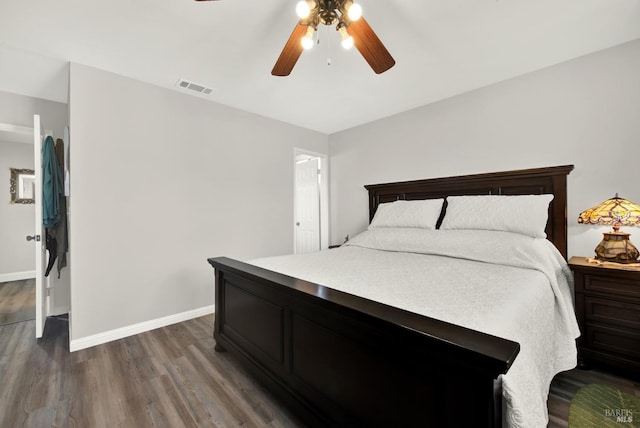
(615, 245)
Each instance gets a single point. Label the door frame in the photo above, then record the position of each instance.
(324, 195)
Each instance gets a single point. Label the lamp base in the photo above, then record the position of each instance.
(616, 247)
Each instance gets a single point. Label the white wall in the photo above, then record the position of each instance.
(16, 254)
(584, 112)
(160, 182)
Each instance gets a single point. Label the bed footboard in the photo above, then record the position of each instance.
(339, 360)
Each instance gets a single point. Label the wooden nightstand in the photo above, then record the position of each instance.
(608, 311)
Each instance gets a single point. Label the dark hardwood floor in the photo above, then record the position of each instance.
(17, 301)
(169, 377)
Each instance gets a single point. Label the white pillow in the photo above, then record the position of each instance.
(524, 214)
(422, 214)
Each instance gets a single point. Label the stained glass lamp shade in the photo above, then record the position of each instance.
(615, 245)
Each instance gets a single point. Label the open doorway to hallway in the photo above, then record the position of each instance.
(311, 200)
(17, 211)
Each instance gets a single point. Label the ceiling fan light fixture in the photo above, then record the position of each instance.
(354, 30)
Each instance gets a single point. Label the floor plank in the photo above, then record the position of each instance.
(169, 377)
(17, 301)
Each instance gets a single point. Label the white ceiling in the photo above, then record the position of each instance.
(442, 48)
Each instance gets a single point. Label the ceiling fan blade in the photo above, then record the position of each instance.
(291, 52)
(370, 46)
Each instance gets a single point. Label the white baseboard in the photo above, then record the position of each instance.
(119, 333)
(17, 276)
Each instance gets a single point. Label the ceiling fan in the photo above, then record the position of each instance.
(353, 28)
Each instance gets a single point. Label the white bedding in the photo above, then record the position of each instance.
(505, 284)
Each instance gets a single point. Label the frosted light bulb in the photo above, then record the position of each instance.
(307, 40)
(347, 43)
(347, 40)
(307, 43)
(302, 9)
(354, 12)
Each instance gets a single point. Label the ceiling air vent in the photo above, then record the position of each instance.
(201, 89)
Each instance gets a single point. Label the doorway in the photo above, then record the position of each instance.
(17, 260)
(311, 202)
(22, 231)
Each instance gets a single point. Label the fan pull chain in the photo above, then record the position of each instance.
(328, 48)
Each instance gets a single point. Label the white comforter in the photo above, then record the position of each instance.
(508, 285)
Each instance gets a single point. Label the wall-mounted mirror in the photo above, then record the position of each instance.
(22, 186)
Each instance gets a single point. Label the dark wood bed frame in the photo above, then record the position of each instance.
(340, 360)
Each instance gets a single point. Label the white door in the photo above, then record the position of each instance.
(307, 207)
(39, 236)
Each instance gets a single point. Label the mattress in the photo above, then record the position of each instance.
(505, 284)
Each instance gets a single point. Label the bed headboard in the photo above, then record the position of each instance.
(520, 182)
